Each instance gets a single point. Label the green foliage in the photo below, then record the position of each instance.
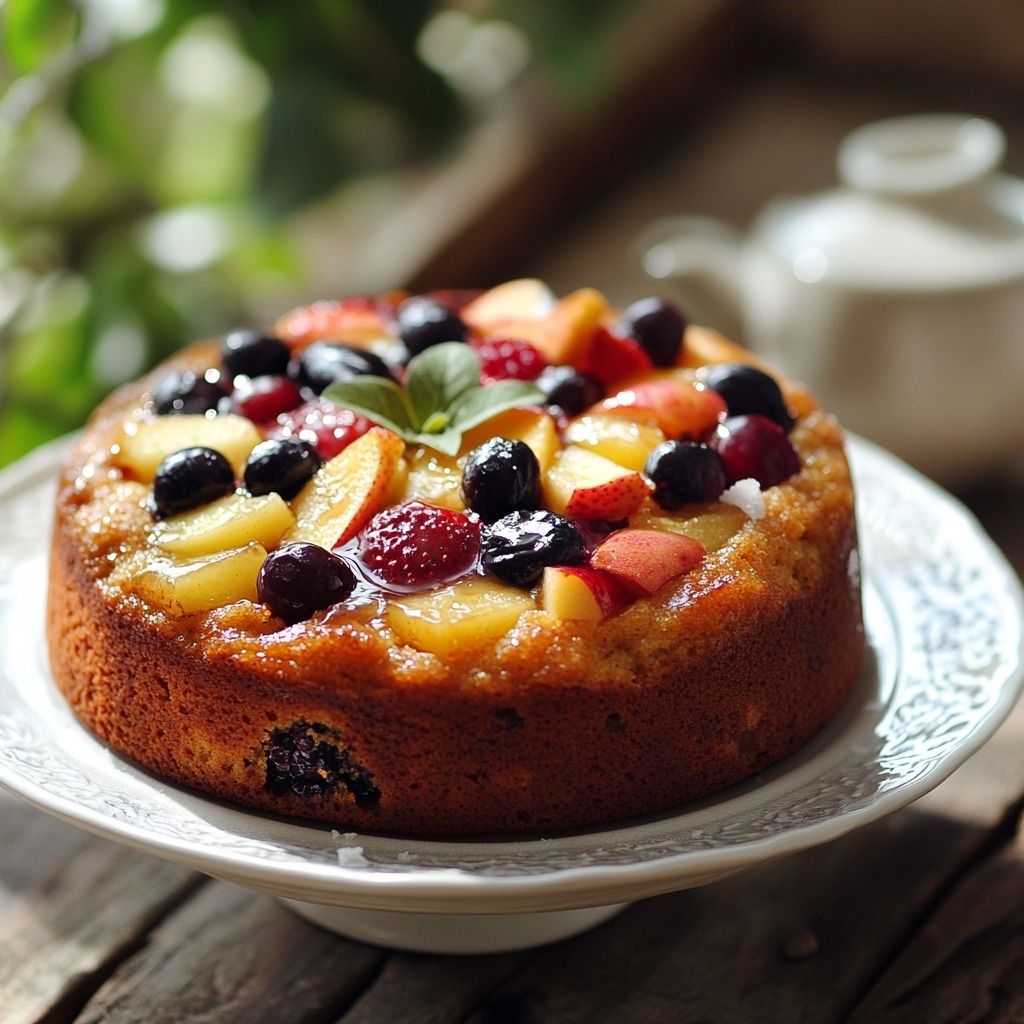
(157, 158)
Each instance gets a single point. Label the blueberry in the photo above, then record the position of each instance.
(658, 326)
(501, 476)
(282, 465)
(749, 390)
(324, 363)
(519, 546)
(252, 354)
(566, 388)
(299, 579)
(188, 478)
(309, 760)
(685, 471)
(188, 392)
(424, 321)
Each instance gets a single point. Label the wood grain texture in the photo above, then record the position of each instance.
(71, 906)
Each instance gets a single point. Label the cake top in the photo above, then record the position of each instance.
(448, 461)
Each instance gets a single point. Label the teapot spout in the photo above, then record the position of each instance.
(701, 259)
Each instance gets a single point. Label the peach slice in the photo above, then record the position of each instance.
(534, 427)
(353, 322)
(713, 525)
(647, 559)
(525, 300)
(582, 592)
(348, 490)
(679, 408)
(582, 483)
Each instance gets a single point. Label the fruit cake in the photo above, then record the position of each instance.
(458, 563)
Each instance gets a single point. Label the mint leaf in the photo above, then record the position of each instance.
(437, 376)
(447, 442)
(376, 398)
(479, 404)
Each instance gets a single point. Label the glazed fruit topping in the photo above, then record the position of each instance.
(415, 545)
(686, 471)
(329, 428)
(658, 326)
(324, 363)
(188, 478)
(568, 389)
(519, 546)
(501, 476)
(507, 359)
(281, 464)
(263, 399)
(189, 392)
(424, 321)
(299, 579)
(747, 389)
(253, 354)
(755, 446)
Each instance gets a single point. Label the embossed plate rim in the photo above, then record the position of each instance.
(926, 702)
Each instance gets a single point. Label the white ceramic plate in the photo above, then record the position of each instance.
(944, 617)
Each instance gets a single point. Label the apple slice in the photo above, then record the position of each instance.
(143, 444)
(450, 618)
(229, 522)
(582, 483)
(582, 592)
(525, 300)
(679, 408)
(348, 490)
(182, 587)
(647, 559)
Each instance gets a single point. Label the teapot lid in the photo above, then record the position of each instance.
(920, 206)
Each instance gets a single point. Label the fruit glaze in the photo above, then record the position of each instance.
(454, 473)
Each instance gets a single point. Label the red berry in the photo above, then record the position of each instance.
(414, 545)
(507, 359)
(755, 446)
(263, 399)
(329, 428)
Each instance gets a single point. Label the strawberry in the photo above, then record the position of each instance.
(413, 546)
(507, 359)
(612, 357)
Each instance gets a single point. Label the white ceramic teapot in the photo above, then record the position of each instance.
(897, 297)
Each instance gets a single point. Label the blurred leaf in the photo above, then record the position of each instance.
(34, 30)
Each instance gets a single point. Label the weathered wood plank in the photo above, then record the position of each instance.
(228, 956)
(70, 906)
(792, 941)
(966, 965)
(414, 989)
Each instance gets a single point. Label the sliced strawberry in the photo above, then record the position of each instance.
(415, 545)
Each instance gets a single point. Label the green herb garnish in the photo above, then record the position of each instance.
(441, 400)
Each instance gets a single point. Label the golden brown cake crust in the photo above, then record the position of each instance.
(557, 725)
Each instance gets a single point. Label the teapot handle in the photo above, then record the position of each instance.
(702, 258)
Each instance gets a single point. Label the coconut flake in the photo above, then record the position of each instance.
(746, 495)
(352, 857)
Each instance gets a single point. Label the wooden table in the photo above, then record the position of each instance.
(916, 918)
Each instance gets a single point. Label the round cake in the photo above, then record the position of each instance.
(458, 563)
